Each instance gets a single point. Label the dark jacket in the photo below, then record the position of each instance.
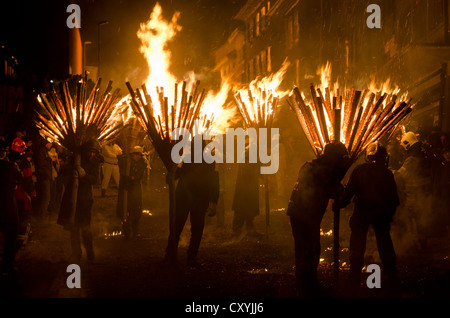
(246, 194)
(130, 181)
(318, 181)
(198, 183)
(374, 190)
(43, 163)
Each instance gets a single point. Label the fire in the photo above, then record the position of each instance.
(165, 90)
(258, 102)
(353, 117)
(155, 34)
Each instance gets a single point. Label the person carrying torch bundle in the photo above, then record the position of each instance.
(196, 195)
(373, 187)
(318, 181)
(88, 172)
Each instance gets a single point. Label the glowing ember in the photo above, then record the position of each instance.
(112, 234)
(147, 212)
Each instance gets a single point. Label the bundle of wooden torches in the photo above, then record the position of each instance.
(72, 121)
(356, 119)
(182, 113)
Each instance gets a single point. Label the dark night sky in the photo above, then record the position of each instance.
(35, 31)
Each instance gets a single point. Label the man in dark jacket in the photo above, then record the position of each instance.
(131, 181)
(196, 195)
(373, 186)
(318, 182)
(246, 198)
(80, 228)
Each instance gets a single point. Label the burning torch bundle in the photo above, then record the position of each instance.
(159, 119)
(257, 107)
(71, 121)
(356, 118)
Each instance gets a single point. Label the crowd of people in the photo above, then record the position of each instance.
(406, 181)
(411, 192)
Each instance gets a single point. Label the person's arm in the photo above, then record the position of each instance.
(349, 190)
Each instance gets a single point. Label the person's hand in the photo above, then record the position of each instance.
(80, 171)
(211, 211)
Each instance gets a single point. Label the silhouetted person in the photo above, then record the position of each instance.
(197, 193)
(373, 187)
(414, 183)
(318, 182)
(132, 183)
(43, 171)
(246, 198)
(80, 229)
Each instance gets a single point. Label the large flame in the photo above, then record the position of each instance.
(258, 101)
(155, 34)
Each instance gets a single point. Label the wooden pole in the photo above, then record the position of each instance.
(336, 211)
(172, 210)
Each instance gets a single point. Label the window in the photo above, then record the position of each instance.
(263, 61)
(263, 18)
(257, 25)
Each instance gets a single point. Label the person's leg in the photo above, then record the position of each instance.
(9, 231)
(386, 248)
(75, 243)
(307, 254)
(88, 243)
(116, 174)
(197, 225)
(358, 238)
(107, 169)
(181, 215)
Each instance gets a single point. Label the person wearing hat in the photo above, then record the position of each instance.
(373, 187)
(131, 181)
(80, 228)
(196, 195)
(318, 181)
(414, 183)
